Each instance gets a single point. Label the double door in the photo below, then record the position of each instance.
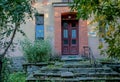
(70, 41)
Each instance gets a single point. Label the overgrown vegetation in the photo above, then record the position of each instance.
(5, 70)
(17, 77)
(37, 51)
(107, 14)
(12, 15)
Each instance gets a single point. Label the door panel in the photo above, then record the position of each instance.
(69, 37)
(65, 38)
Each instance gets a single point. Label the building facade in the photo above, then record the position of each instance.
(55, 21)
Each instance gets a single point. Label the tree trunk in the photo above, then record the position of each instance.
(11, 40)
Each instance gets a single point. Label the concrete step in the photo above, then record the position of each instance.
(99, 79)
(30, 78)
(74, 71)
(111, 74)
(71, 58)
(78, 79)
(79, 65)
(47, 74)
(92, 69)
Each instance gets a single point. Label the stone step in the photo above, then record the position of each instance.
(47, 74)
(112, 74)
(30, 78)
(63, 74)
(74, 75)
(79, 66)
(74, 71)
(71, 58)
(87, 70)
(78, 79)
(99, 79)
(106, 69)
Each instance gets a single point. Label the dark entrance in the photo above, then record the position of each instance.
(70, 40)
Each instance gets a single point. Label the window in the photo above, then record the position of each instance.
(39, 27)
(67, 0)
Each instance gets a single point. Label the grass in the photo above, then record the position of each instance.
(17, 77)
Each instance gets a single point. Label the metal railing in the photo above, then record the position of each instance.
(89, 53)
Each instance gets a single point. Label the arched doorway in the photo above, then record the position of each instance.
(70, 34)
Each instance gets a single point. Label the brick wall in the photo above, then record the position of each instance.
(83, 37)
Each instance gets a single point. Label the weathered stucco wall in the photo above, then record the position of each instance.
(45, 8)
(93, 39)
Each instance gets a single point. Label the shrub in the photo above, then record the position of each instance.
(38, 51)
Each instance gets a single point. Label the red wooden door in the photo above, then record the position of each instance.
(70, 37)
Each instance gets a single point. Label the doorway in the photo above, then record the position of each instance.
(70, 40)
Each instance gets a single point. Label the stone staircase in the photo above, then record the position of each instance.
(74, 71)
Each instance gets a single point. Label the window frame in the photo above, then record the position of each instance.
(36, 38)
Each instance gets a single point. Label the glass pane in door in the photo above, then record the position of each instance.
(73, 24)
(74, 33)
(65, 25)
(65, 41)
(73, 41)
(65, 33)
